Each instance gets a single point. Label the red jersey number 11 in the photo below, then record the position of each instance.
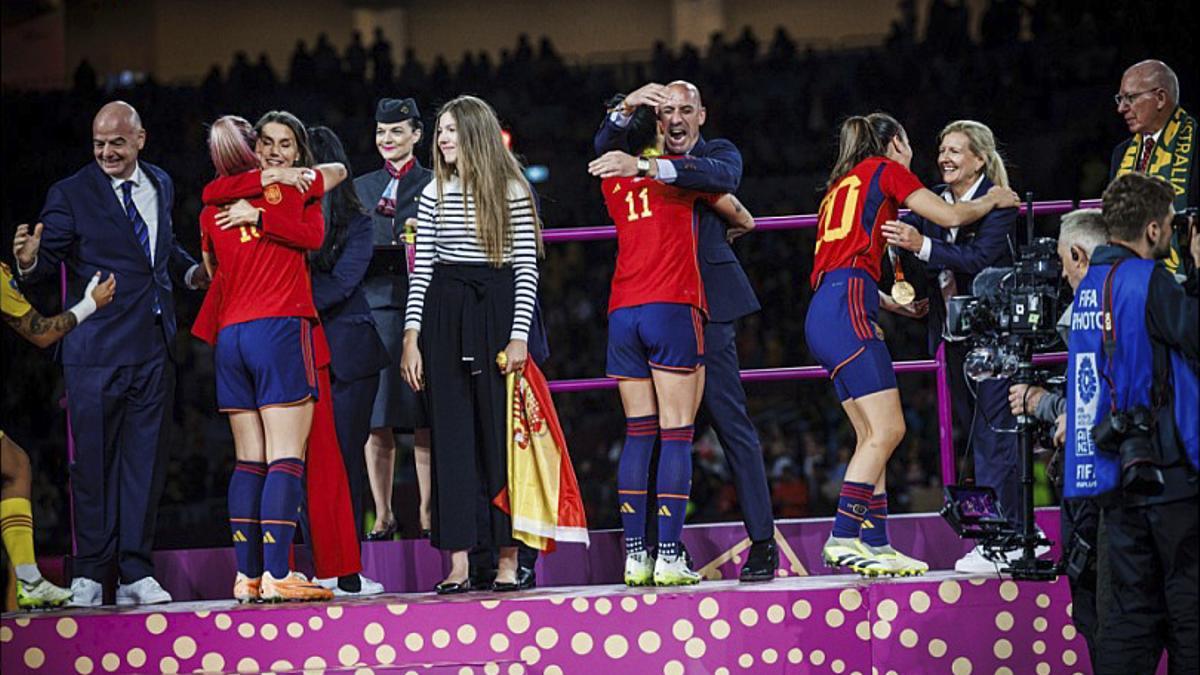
(644, 197)
(851, 185)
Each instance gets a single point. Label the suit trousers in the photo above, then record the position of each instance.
(997, 459)
(120, 423)
(1152, 556)
(725, 403)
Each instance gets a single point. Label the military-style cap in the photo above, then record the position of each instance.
(393, 110)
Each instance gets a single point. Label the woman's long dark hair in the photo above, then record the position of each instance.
(862, 137)
(341, 204)
(304, 156)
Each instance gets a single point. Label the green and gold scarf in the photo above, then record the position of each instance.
(1171, 161)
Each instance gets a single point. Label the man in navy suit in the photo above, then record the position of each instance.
(708, 166)
(114, 215)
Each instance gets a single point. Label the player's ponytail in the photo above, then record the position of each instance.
(981, 142)
(231, 145)
(862, 137)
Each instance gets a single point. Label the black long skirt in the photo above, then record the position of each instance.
(466, 322)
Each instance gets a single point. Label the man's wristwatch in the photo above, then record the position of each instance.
(643, 166)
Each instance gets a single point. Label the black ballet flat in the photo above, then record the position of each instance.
(505, 586)
(453, 587)
(426, 534)
(383, 535)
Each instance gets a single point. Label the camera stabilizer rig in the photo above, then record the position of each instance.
(1013, 312)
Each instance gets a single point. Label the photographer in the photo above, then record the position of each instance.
(1080, 233)
(1132, 430)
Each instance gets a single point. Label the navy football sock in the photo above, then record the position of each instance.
(245, 497)
(674, 486)
(852, 508)
(874, 528)
(632, 474)
(281, 496)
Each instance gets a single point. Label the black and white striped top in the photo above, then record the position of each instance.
(446, 235)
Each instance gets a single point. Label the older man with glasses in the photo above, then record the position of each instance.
(1164, 138)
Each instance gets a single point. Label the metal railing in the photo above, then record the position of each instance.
(936, 365)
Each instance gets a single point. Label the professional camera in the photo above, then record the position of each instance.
(1126, 433)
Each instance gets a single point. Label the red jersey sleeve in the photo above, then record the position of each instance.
(224, 189)
(898, 182)
(292, 218)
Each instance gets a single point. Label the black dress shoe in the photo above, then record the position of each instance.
(762, 562)
(526, 578)
(505, 586)
(453, 587)
(385, 534)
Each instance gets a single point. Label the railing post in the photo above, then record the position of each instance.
(945, 419)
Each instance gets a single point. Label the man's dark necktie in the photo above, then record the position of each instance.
(139, 228)
(1147, 153)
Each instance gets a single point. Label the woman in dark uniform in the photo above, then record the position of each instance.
(390, 196)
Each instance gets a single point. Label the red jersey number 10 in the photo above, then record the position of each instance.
(644, 197)
(850, 184)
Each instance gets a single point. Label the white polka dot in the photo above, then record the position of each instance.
(516, 669)
(1004, 621)
(1043, 600)
(838, 666)
(817, 657)
(709, 608)
(1069, 657)
(850, 599)
(184, 647)
(34, 657)
(66, 627)
(373, 633)
(334, 612)
(491, 668)
(776, 613)
(6, 634)
(1069, 632)
(1009, 591)
(385, 654)
(863, 630)
(212, 662)
(834, 617)
(579, 604)
(316, 623)
(602, 606)
(881, 629)
(801, 609)
(22, 621)
(136, 657)
(961, 666)
(268, 631)
(156, 624)
(1043, 668)
(248, 665)
(111, 662)
(1040, 624)
(246, 630)
(348, 655)
(1003, 670)
(909, 638)
(748, 617)
(695, 648)
(582, 644)
(1002, 649)
(84, 665)
(440, 638)
(498, 642)
(314, 663)
(397, 608)
(919, 601)
(949, 591)
(546, 637)
(531, 655)
(650, 598)
(518, 622)
(222, 621)
(649, 641)
(629, 604)
(719, 629)
(770, 656)
(552, 670)
(168, 665)
(937, 648)
(466, 634)
(673, 668)
(721, 671)
(887, 610)
(616, 646)
(283, 665)
(682, 629)
(795, 655)
(745, 660)
(1039, 647)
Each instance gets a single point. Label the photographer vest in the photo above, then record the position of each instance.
(1093, 373)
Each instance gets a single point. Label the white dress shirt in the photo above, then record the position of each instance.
(145, 198)
(952, 233)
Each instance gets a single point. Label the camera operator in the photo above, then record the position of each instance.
(1080, 233)
(1132, 430)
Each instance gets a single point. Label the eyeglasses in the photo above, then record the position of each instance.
(1128, 99)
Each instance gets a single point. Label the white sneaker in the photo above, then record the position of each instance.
(639, 569)
(673, 570)
(367, 586)
(979, 561)
(86, 593)
(144, 591)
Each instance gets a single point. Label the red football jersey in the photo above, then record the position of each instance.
(656, 243)
(263, 273)
(848, 232)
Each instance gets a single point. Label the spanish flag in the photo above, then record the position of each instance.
(543, 495)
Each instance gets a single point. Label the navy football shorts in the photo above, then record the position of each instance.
(264, 363)
(659, 335)
(843, 334)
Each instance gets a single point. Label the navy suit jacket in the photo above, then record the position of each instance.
(390, 290)
(978, 245)
(354, 344)
(87, 228)
(711, 166)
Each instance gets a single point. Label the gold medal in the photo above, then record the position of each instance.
(903, 292)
